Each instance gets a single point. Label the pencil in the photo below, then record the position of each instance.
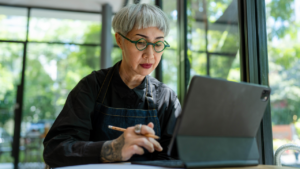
(122, 130)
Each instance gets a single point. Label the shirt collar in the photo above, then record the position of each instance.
(122, 89)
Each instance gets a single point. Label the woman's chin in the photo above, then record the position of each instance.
(145, 72)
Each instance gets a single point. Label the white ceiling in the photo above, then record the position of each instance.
(76, 5)
(82, 5)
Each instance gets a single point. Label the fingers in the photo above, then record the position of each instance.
(149, 143)
(156, 144)
(129, 151)
(151, 125)
(147, 130)
(144, 142)
(134, 143)
(137, 150)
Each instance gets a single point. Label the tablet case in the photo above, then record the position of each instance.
(219, 123)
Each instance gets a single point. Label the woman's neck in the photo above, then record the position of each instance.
(131, 79)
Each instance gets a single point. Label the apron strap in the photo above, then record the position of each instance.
(105, 84)
(149, 95)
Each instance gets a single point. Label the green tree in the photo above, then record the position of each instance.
(10, 71)
(221, 38)
(284, 55)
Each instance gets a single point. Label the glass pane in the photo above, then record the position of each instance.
(225, 67)
(283, 29)
(152, 2)
(10, 77)
(62, 26)
(13, 23)
(169, 63)
(170, 58)
(198, 63)
(213, 34)
(52, 71)
(116, 55)
(224, 41)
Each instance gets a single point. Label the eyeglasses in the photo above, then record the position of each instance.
(142, 44)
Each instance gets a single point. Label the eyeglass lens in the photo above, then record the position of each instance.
(142, 44)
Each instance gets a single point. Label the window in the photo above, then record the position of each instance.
(12, 28)
(67, 27)
(284, 58)
(213, 38)
(62, 48)
(13, 22)
(169, 59)
(10, 75)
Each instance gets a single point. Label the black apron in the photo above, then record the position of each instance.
(103, 116)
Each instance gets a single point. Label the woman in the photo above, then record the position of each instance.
(123, 96)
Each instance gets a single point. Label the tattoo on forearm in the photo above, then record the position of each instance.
(112, 150)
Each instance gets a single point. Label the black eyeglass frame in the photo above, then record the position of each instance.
(166, 44)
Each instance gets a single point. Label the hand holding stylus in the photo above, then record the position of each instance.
(130, 143)
(122, 130)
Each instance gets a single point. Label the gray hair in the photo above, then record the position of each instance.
(140, 16)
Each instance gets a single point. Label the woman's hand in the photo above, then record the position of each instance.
(128, 144)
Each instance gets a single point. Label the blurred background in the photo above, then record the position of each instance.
(46, 47)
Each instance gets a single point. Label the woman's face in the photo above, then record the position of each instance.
(140, 62)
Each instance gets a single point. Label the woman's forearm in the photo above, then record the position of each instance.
(66, 151)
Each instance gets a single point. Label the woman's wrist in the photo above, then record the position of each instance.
(112, 150)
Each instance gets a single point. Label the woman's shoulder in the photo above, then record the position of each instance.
(162, 88)
(97, 76)
(92, 82)
(165, 96)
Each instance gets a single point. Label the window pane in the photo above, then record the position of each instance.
(13, 23)
(116, 55)
(284, 73)
(170, 58)
(198, 63)
(10, 76)
(52, 71)
(225, 67)
(224, 41)
(62, 26)
(213, 34)
(169, 63)
(152, 2)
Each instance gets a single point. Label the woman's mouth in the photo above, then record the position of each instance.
(146, 66)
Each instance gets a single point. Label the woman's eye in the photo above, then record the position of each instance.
(141, 43)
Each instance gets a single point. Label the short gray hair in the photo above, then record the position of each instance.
(141, 16)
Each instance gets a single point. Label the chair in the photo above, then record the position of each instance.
(281, 150)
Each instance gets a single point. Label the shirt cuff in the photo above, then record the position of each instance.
(92, 150)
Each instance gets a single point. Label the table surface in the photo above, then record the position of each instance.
(134, 166)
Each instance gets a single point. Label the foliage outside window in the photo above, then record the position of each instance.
(213, 34)
(169, 59)
(283, 31)
(52, 70)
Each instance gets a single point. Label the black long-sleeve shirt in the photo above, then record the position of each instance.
(67, 142)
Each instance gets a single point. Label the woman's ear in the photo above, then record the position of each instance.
(118, 40)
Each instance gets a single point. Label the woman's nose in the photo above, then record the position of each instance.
(149, 51)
